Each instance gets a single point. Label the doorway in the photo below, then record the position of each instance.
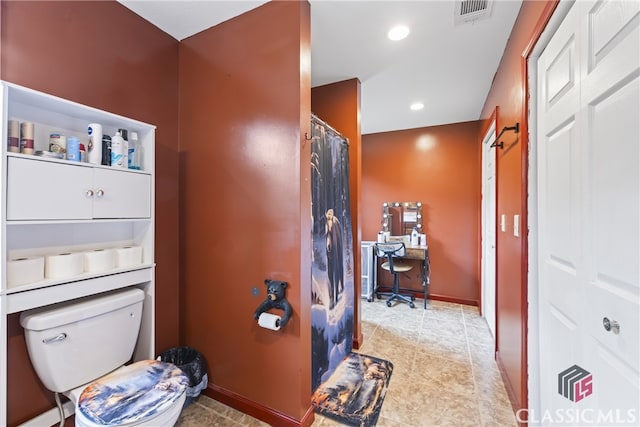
(488, 260)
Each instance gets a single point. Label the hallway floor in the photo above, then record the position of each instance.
(444, 372)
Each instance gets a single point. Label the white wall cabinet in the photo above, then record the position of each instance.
(75, 191)
(52, 205)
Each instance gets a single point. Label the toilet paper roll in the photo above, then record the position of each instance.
(21, 271)
(99, 260)
(64, 265)
(269, 321)
(128, 256)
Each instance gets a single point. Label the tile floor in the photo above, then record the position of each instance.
(444, 372)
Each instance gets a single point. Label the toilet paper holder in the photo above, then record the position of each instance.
(276, 299)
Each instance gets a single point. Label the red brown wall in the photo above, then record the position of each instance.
(439, 166)
(245, 205)
(509, 95)
(103, 55)
(338, 104)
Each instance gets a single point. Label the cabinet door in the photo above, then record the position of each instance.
(121, 194)
(42, 190)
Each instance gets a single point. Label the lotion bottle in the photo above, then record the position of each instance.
(414, 237)
(117, 148)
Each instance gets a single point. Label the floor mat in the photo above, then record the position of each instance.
(354, 393)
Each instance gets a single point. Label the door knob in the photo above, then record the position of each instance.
(611, 325)
(100, 193)
(89, 193)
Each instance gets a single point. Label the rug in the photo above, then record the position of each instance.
(354, 393)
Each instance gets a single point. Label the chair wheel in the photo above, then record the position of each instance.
(388, 303)
(369, 299)
(413, 298)
(412, 305)
(378, 296)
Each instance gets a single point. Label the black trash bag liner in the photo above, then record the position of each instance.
(192, 363)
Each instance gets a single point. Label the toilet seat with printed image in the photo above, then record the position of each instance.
(132, 395)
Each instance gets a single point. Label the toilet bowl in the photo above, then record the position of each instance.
(82, 349)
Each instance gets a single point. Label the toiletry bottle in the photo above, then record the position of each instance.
(106, 150)
(73, 148)
(117, 147)
(135, 152)
(125, 148)
(94, 153)
(414, 237)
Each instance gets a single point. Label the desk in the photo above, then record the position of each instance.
(419, 253)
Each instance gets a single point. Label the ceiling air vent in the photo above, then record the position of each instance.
(471, 10)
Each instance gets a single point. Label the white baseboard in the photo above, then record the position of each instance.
(51, 417)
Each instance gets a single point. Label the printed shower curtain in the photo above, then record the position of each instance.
(332, 254)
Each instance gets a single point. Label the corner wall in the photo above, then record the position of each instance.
(439, 166)
(245, 206)
(508, 93)
(129, 69)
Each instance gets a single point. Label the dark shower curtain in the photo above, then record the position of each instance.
(332, 254)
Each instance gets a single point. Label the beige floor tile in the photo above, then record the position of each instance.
(197, 415)
(444, 371)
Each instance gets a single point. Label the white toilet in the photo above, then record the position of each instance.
(78, 348)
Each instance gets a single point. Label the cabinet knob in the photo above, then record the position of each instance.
(99, 193)
(89, 193)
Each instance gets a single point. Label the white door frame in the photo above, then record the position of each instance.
(533, 341)
(488, 293)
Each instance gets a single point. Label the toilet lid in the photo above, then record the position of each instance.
(132, 394)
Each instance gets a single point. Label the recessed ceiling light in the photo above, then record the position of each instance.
(417, 106)
(398, 32)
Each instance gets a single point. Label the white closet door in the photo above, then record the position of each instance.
(588, 210)
(610, 103)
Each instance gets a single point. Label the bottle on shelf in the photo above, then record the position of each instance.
(135, 152)
(73, 148)
(106, 150)
(414, 237)
(125, 148)
(117, 151)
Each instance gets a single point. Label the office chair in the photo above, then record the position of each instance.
(390, 251)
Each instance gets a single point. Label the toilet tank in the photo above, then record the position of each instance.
(76, 342)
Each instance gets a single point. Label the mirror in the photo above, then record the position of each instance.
(399, 218)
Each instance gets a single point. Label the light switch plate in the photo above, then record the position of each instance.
(516, 225)
(503, 223)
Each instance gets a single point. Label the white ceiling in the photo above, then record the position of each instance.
(447, 67)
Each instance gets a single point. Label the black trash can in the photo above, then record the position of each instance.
(192, 363)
